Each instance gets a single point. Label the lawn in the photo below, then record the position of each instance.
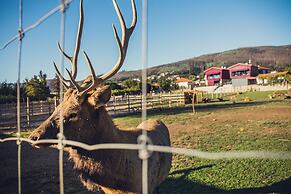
(222, 127)
(261, 124)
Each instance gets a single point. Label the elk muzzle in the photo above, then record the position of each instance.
(46, 130)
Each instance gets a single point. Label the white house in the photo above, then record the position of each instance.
(184, 83)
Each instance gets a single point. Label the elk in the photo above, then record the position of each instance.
(86, 120)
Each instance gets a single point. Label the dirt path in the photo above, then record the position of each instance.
(39, 171)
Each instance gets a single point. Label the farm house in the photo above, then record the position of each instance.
(184, 83)
(216, 76)
(243, 74)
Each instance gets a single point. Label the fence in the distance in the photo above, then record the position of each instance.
(34, 112)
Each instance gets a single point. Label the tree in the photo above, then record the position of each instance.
(8, 92)
(167, 84)
(7, 89)
(192, 77)
(114, 85)
(131, 84)
(148, 86)
(55, 85)
(36, 88)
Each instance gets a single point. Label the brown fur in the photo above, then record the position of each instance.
(115, 171)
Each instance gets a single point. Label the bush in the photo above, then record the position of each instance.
(7, 99)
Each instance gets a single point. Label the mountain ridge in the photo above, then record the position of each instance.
(275, 57)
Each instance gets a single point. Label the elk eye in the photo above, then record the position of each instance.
(73, 116)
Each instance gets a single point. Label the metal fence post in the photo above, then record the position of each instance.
(140, 98)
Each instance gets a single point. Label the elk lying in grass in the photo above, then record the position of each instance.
(85, 119)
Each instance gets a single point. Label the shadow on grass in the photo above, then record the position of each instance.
(187, 171)
(3, 136)
(182, 185)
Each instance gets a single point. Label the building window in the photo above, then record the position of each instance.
(240, 73)
(214, 76)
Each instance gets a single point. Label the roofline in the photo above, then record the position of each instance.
(187, 80)
(247, 64)
(272, 74)
(212, 68)
(262, 67)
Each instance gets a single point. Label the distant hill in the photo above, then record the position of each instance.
(276, 57)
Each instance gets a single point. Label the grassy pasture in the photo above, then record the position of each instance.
(261, 124)
(223, 127)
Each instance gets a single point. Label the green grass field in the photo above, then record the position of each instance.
(222, 127)
(261, 124)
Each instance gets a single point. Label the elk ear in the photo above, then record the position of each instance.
(100, 96)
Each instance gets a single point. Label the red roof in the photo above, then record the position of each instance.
(182, 79)
(248, 65)
(266, 68)
(218, 68)
(243, 64)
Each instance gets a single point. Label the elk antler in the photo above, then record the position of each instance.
(122, 47)
(126, 33)
(74, 58)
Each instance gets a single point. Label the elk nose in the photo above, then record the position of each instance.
(34, 137)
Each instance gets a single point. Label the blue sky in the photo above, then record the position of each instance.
(177, 29)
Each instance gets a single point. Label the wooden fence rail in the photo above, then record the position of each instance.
(34, 112)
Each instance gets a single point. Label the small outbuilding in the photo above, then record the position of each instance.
(184, 83)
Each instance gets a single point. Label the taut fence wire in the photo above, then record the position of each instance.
(143, 146)
(60, 135)
(20, 38)
(142, 139)
(280, 155)
(37, 23)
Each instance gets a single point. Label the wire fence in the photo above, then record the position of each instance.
(34, 112)
(144, 147)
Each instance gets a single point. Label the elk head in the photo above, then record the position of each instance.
(82, 108)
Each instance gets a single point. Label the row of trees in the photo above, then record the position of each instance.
(134, 86)
(35, 88)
